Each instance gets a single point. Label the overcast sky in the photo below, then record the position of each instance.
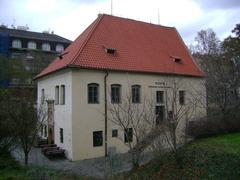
(68, 18)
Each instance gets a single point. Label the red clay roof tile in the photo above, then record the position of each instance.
(140, 47)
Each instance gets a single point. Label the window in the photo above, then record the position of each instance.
(160, 96)
(46, 47)
(41, 130)
(45, 130)
(160, 114)
(128, 135)
(110, 50)
(97, 138)
(115, 93)
(29, 56)
(136, 93)
(170, 115)
(93, 93)
(61, 135)
(57, 95)
(42, 96)
(59, 48)
(16, 43)
(114, 133)
(31, 45)
(181, 97)
(62, 94)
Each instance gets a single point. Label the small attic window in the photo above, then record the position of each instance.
(110, 50)
(176, 59)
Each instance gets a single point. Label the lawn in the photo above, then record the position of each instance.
(208, 158)
(10, 169)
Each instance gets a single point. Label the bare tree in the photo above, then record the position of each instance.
(135, 120)
(180, 108)
(151, 127)
(26, 121)
(222, 68)
(207, 42)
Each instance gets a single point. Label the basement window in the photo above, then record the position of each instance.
(110, 50)
(97, 138)
(114, 133)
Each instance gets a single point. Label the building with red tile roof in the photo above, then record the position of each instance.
(138, 47)
(113, 59)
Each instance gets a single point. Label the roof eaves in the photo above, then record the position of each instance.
(51, 72)
(134, 71)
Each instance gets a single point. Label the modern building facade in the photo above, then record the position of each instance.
(113, 58)
(35, 50)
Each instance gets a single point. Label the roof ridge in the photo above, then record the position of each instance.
(100, 17)
(139, 21)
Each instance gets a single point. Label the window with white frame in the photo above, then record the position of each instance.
(59, 48)
(56, 94)
(115, 93)
(32, 45)
(136, 93)
(93, 93)
(46, 47)
(16, 43)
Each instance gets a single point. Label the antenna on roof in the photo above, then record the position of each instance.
(158, 17)
(13, 24)
(111, 7)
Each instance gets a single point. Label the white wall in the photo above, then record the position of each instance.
(62, 113)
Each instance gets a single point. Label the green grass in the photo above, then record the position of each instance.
(10, 169)
(229, 143)
(208, 158)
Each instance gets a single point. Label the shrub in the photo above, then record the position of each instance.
(213, 125)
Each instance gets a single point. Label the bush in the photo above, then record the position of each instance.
(213, 125)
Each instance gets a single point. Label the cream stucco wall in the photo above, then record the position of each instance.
(87, 118)
(79, 119)
(62, 113)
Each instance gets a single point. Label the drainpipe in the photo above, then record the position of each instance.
(105, 111)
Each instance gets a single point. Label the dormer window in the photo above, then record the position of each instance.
(31, 45)
(46, 47)
(16, 43)
(110, 50)
(59, 48)
(176, 59)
